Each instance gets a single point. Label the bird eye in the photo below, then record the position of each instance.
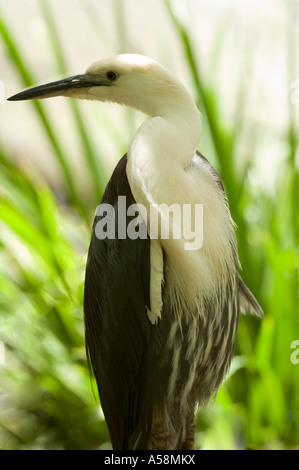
(112, 76)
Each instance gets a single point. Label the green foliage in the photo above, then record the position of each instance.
(46, 397)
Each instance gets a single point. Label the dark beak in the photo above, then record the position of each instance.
(59, 88)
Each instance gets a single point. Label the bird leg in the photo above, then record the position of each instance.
(189, 443)
(159, 435)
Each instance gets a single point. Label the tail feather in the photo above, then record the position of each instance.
(248, 302)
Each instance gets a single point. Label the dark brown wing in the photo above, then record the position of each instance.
(117, 328)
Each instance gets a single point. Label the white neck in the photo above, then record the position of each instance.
(163, 146)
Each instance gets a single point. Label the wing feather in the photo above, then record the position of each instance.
(117, 328)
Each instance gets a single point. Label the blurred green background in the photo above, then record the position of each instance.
(240, 61)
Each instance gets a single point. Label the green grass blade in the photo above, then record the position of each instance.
(92, 159)
(28, 79)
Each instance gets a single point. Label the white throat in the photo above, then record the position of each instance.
(160, 150)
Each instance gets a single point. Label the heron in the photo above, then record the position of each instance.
(160, 318)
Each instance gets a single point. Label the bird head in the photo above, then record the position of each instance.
(129, 79)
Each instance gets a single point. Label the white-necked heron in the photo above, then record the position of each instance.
(161, 317)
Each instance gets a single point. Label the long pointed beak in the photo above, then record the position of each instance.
(58, 88)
